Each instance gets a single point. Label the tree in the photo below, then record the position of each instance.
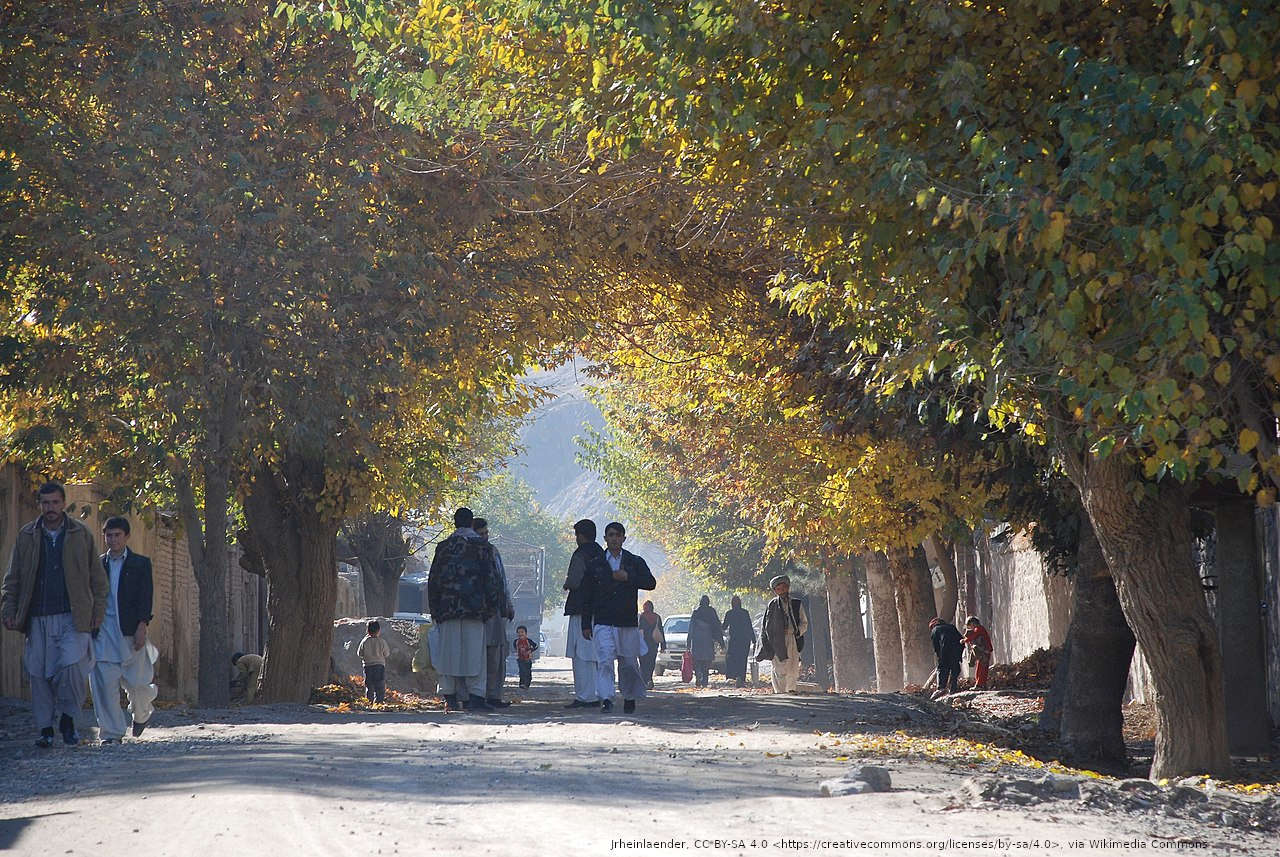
(381, 549)
(246, 292)
(1072, 211)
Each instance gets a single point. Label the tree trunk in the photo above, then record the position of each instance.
(1147, 544)
(207, 546)
(847, 638)
(379, 543)
(865, 669)
(886, 637)
(966, 561)
(1096, 670)
(913, 594)
(818, 640)
(298, 546)
(945, 599)
(1239, 595)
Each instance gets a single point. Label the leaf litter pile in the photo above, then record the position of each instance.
(349, 695)
(1013, 706)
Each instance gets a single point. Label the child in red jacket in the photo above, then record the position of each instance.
(980, 650)
(524, 647)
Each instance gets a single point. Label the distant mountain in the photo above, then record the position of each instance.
(585, 497)
(548, 463)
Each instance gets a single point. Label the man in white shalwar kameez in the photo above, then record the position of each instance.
(580, 649)
(122, 659)
(785, 621)
(612, 621)
(463, 591)
(495, 629)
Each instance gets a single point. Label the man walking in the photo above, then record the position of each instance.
(784, 625)
(611, 620)
(495, 629)
(55, 592)
(949, 649)
(120, 648)
(586, 564)
(463, 590)
(742, 639)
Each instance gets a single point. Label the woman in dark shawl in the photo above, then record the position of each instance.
(704, 634)
(742, 639)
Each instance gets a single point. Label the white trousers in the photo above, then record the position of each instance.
(58, 659)
(622, 645)
(583, 654)
(785, 675)
(135, 676)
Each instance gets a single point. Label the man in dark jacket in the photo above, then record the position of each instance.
(612, 622)
(120, 649)
(463, 590)
(585, 566)
(782, 629)
(949, 650)
(55, 592)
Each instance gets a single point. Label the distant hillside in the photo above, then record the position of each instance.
(585, 497)
(548, 462)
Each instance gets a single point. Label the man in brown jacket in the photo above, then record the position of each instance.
(55, 592)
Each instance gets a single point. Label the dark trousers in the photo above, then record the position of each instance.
(526, 672)
(736, 664)
(375, 682)
(648, 661)
(949, 676)
(701, 673)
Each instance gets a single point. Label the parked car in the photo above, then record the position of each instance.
(676, 631)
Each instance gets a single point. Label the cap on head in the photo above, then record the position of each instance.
(781, 578)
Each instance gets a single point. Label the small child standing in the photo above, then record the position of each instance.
(525, 648)
(373, 654)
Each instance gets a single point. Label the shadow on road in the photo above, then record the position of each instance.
(11, 829)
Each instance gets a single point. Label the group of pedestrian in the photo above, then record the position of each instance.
(85, 617)
(604, 624)
(949, 646)
(708, 632)
(470, 605)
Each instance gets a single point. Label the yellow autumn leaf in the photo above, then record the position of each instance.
(1248, 439)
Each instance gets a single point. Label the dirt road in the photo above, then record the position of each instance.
(718, 772)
